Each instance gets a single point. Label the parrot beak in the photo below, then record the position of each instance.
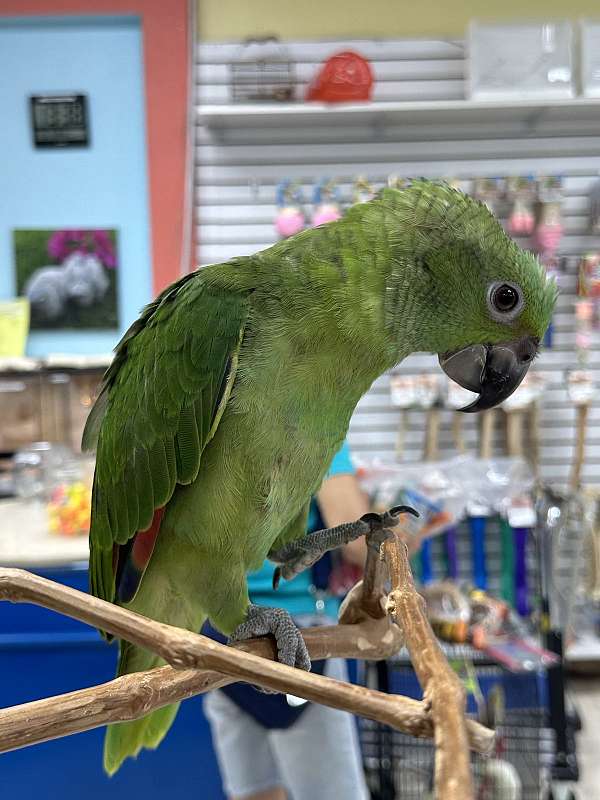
(492, 370)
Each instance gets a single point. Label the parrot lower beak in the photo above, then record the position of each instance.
(492, 370)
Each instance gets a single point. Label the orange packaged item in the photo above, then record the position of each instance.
(345, 77)
(69, 509)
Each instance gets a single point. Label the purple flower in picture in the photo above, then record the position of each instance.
(63, 243)
(104, 248)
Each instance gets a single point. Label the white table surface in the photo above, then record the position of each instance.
(26, 542)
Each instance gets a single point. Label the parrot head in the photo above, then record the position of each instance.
(484, 302)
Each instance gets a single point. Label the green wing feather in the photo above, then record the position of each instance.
(158, 408)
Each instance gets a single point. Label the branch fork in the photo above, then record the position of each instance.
(371, 626)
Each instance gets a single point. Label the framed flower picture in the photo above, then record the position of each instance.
(69, 277)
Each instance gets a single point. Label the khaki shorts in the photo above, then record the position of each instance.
(317, 758)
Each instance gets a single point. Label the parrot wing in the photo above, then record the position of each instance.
(159, 406)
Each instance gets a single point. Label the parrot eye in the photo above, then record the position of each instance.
(505, 298)
(505, 301)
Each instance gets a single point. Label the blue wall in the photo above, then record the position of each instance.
(103, 186)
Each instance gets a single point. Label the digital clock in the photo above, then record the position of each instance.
(60, 120)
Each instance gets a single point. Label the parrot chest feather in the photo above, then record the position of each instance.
(293, 415)
(287, 416)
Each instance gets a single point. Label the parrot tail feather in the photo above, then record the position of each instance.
(126, 739)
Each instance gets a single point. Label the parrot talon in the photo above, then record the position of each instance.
(380, 524)
(262, 621)
(388, 519)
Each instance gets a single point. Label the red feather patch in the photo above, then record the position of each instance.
(134, 558)
(144, 541)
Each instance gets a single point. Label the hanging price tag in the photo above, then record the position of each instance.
(427, 390)
(403, 390)
(580, 386)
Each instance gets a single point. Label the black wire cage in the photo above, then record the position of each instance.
(262, 72)
(535, 757)
(400, 767)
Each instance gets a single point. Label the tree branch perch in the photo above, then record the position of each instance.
(440, 684)
(197, 664)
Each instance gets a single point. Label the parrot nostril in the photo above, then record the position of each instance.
(527, 350)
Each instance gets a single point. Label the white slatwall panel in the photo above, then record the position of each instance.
(404, 70)
(237, 171)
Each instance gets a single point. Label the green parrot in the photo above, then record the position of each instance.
(229, 396)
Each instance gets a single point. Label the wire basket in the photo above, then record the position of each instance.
(262, 72)
(400, 767)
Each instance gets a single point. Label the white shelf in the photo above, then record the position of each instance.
(411, 113)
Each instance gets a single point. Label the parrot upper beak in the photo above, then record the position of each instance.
(492, 370)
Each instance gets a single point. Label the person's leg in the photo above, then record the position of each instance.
(248, 769)
(319, 755)
(270, 794)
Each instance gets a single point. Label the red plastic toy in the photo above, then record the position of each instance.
(344, 78)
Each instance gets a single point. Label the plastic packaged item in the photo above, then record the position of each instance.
(487, 616)
(69, 509)
(524, 61)
(590, 57)
(33, 465)
(430, 488)
(345, 77)
(493, 483)
(508, 641)
(52, 475)
(448, 610)
(485, 622)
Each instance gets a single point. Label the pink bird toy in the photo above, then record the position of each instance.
(521, 191)
(549, 228)
(326, 201)
(290, 217)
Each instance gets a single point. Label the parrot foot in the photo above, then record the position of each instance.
(297, 556)
(262, 621)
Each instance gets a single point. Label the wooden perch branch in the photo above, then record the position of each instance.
(198, 664)
(440, 684)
